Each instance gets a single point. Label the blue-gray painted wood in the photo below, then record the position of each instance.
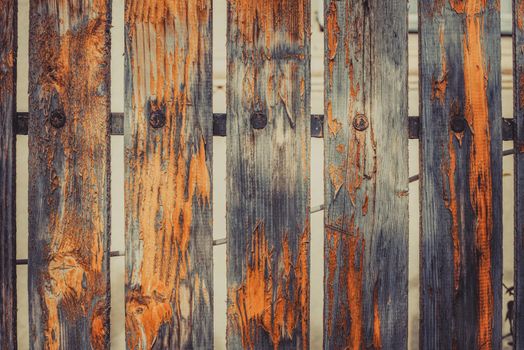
(366, 175)
(268, 186)
(461, 175)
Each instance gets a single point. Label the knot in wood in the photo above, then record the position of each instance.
(157, 119)
(258, 120)
(57, 119)
(360, 122)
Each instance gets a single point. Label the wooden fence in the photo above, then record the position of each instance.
(168, 128)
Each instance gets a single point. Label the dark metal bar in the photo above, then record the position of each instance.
(219, 125)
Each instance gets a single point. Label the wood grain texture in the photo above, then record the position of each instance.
(366, 175)
(461, 174)
(168, 198)
(518, 113)
(69, 174)
(268, 53)
(8, 48)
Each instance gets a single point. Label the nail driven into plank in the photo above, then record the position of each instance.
(8, 51)
(69, 160)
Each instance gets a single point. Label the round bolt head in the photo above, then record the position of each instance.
(157, 119)
(458, 124)
(57, 119)
(258, 120)
(360, 122)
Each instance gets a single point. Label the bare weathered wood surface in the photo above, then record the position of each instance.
(461, 174)
(168, 198)
(8, 47)
(268, 157)
(366, 175)
(518, 101)
(69, 174)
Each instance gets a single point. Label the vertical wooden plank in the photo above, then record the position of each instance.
(168, 141)
(518, 115)
(69, 174)
(461, 174)
(366, 175)
(8, 47)
(268, 157)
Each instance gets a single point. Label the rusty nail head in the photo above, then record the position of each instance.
(458, 124)
(57, 119)
(258, 120)
(360, 122)
(157, 119)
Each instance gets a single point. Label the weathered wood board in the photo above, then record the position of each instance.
(168, 198)
(366, 175)
(461, 175)
(69, 174)
(268, 158)
(8, 47)
(518, 115)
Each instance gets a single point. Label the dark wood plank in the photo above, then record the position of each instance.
(168, 199)
(461, 175)
(366, 175)
(268, 60)
(8, 48)
(518, 100)
(69, 174)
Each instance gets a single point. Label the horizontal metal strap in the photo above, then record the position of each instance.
(219, 125)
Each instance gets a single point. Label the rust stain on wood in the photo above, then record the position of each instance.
(255, 308)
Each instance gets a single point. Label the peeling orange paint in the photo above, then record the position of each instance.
(377, 340)
(519, 14)
(168, 184)
(441, 83)
(281, 22)
(71, 277)
(355, 270)
(451, 202)
(334, 126)
(477, 116)
(332, 33)
(272, 301)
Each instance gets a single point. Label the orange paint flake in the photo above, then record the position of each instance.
(252, 307)
(275, 21)
(519, 13)
(333, 31)
(334, 126)
(451, 203)
(377, 339)
(441, 83)
(355, 270)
